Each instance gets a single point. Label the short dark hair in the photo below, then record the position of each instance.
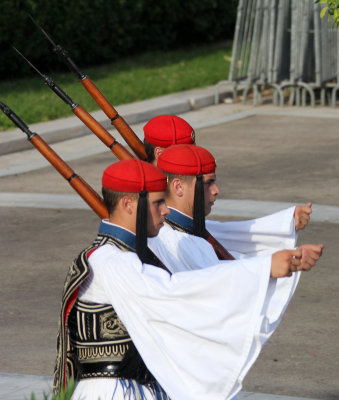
(171, 176)
(111, 198)
(149, 149)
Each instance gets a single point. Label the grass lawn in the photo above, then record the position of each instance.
(136, 78)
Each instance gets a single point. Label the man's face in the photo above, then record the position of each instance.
(157, 211)
(211, 190)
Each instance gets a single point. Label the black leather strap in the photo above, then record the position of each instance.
(97, 369)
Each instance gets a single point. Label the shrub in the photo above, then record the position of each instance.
(101, 31)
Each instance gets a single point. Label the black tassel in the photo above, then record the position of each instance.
(144, 253)
(199, 208)
(141, 228)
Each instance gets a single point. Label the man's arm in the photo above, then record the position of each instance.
(262, 235)
(257, 236)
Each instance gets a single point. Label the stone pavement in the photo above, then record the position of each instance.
(263, 166)
(20, 387)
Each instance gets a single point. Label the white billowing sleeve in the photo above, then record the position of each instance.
(180, 251)
(257, 236)
(279, 294)
(195, 330)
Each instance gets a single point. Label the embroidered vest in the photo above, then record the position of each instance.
(98, 337)
(92, 341)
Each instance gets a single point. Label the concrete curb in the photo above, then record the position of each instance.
(141, 111)
(222, 208)
(137, 112)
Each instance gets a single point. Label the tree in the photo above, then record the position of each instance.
(332, 9)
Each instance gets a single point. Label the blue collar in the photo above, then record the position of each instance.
(180, 219)
(127, 237)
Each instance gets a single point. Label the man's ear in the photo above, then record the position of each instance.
(178, 187)
(157, 152)
(128, 204)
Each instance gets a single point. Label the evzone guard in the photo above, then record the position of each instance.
(72, 358)
(253, 237)
(130, 328)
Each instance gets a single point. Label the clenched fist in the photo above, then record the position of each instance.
(302, 216)
(310, 254)
(285, 262)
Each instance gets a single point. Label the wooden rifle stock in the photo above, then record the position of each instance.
(86, 192)
(116, 148)
(117, 120)
(84, 116)
(120, 124)
(219, 249)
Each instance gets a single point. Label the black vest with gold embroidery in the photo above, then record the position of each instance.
(92, 341)
(99, 339)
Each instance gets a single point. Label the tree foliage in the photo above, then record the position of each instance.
(102, 31)
(332, 10)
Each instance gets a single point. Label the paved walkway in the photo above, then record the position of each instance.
(20, 387)
(221, 208)
(71, 140)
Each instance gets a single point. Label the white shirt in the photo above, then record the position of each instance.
(198, 331)
(194, 330)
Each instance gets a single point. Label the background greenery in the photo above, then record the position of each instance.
(331, 8)
(131, 79)
(131, 49)
(100, 31)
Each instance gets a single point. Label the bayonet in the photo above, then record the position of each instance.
(42, 30)
(61, 52)
(29, 63)
(49, 82)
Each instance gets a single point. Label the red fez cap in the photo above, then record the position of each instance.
(186, 159)
(165, 130)
(132, 176)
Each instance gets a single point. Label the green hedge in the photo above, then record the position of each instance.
(101, 31)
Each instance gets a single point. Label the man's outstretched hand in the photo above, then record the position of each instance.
(310, 254)
(302, 216)
(285, 262)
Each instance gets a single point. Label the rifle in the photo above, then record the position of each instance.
(117, 120)
(110, 142)
(219, 249)
(85, 191)
(116, 148)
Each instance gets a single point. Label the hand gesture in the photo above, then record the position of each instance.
(302, 215)
(310, 254)
(285, 262)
